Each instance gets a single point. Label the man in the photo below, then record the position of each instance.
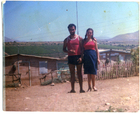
(73, 46)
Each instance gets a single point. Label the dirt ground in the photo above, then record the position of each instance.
(121, 94)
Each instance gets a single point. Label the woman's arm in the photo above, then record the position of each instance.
(98, 55)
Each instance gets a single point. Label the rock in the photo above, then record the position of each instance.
(114, 110)
(127, 98)
(107, 104)
(19, 85)
(52, 84)
(26, 108)
(22, 86)
(46, 82)
(27, 98)
(65, 80)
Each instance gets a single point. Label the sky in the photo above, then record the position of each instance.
(33, 21)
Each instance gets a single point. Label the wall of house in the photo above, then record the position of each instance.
(115, 55)
(24, 63)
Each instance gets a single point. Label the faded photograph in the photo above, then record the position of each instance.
(70, 56)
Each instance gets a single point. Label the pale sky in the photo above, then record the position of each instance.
(48, 20)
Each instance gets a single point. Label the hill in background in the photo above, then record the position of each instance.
(55, 49)
(126, 37)
(119, 38)
(9, 40)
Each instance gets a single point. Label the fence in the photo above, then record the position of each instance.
(116, 70)
(110, 71)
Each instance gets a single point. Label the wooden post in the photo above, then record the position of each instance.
(52, 76)
(116, 70)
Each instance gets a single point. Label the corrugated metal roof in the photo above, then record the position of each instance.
(34, 56)
(114, 51)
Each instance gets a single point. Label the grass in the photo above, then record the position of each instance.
(102, 46)
(111, 109)
(53, 50)
(43, 50)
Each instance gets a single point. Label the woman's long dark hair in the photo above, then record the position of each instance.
(92, 33)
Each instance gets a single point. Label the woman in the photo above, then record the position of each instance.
(91, 57)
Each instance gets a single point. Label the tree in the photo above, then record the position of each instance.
(135, 58)
(14, 41)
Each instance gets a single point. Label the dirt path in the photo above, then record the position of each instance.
(121, 94)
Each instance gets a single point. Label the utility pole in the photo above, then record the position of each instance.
(77, 17)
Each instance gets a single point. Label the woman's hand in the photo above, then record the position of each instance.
(98, 61)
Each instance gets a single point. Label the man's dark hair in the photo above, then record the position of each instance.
(71, 25)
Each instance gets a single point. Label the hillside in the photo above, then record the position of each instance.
(134, 37)
(8, 39)
(126, 37)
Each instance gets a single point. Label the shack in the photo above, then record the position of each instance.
(115, 55)
(30, 67)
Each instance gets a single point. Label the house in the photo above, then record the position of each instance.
(114, 55)
(31, 67)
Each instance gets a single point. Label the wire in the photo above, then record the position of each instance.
(60, 34)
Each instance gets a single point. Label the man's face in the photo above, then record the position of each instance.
(72, 30)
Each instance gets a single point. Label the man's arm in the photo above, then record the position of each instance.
(65, 46)
(81, 46)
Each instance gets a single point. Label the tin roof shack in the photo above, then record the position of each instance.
(115, 55)
(30, 67)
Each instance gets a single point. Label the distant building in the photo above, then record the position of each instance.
(114, 55)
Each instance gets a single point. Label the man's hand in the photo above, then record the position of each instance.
(72, 51)
(79, 60)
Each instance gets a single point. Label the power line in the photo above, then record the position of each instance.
(77, 18)
(64, 32)
(60, 35)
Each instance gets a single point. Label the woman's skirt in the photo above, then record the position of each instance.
(90, 62)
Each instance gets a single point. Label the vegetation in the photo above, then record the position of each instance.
(102, 46)
(44, 50)
(135, 58)
(111, 109)
(51, 49)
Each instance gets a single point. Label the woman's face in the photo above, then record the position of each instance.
(89, 33)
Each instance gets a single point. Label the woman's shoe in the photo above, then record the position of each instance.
(94, 88)
(89, 89)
